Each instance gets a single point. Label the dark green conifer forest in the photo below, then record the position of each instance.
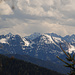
(12, 66)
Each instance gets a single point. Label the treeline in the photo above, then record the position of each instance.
(12, 66)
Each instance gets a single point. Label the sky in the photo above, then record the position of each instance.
(43, 16)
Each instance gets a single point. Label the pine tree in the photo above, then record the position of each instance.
(70, 61)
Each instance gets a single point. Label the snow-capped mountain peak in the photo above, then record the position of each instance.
(10, 34)
(48, 39)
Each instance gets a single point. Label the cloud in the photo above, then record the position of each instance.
(42, 16)
(58, 9)
(37, 8)
(30, 26)
(5, 9)
(9, 23)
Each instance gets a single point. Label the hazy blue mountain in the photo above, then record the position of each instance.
(70, 39)
(33, 36)
(54, 35)
(45, 46)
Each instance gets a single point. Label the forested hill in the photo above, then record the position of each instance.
(12, 66)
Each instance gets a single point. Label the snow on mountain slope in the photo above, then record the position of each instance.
(57, 39)
(3, 40)
(49, 39)
(26, 42)
(71, 49)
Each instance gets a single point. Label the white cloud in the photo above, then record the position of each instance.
(48, 8)
(25, 28)
(42, 16)
(37, 7)
(5, 9)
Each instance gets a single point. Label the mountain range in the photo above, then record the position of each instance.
(41, 46)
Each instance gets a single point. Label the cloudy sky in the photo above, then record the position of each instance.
(44, 16)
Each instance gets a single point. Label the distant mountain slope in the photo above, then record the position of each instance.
(12, 66)
(33, 36)
(42, 63)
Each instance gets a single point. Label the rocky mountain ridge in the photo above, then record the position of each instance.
(45, 47)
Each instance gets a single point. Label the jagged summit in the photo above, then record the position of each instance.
(53, 34)
(33, 36)
(9, 34)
